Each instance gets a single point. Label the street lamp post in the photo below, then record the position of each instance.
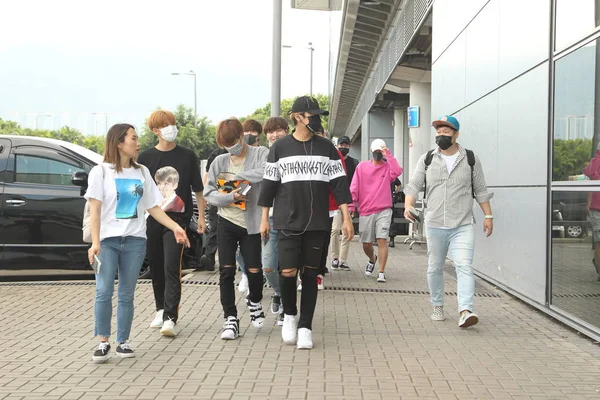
(195, 95)
(312, 49)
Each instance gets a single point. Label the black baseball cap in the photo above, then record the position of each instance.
(344, 139)
(308, 104)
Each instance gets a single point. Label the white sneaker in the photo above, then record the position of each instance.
(438, 313)
(231, 328)
(168, 328)
(243, 286)
(299, 288)
(381, 277)
(305, 339)
(157, 322)
(257, 315)
(320, 285)
(467, 319)
(289, 330)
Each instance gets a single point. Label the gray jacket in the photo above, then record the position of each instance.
(254, 169)
(449, 196)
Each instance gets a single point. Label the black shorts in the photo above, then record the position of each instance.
(297, 251)
(228, 237)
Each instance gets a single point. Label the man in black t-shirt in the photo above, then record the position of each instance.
(176, 171)
(301, 168)
(207, 261)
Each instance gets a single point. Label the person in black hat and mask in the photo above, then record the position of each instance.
(340, 245)
(301, 168)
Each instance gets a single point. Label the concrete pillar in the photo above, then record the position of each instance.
(365, 138)
(400, 138)
(421, 138)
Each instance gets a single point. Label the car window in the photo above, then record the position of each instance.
(36, 169)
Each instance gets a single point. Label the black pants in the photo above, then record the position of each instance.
(211, 236)
(302, 253)
(165, 258)
(325, 251)
(229, 236)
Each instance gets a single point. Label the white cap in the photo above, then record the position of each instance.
(377, 144)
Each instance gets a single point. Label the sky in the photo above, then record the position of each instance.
(73, 58)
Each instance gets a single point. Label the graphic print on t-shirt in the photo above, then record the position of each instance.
(167, 180)
(129, 193)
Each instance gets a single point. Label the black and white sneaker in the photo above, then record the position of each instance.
(125, 351)
(231, 328)
(335, 264)
(275, 304)
(257, 316)
(101, 354)
(370, 267)
(280, 319)
(344, 266)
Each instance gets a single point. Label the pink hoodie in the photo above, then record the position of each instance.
(371, 185)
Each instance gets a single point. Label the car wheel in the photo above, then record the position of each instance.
(574, 231)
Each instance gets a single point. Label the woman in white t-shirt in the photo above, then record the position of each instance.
(119, 192)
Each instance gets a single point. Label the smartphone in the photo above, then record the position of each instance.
(414, 213)
(265, 240)
(244, 189)
(96, 265)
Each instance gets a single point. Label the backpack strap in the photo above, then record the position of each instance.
(427, 161)
(471, 161)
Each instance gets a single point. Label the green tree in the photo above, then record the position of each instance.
(263, 113)
(67, 134)
(570, 157)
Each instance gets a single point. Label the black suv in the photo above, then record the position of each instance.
(42, 182)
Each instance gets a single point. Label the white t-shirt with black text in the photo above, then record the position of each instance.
(125, 197)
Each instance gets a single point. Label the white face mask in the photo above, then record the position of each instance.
(169, 133)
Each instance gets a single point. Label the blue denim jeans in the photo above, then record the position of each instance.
(458, 244)
(125, 255)
(270, 259)
(240, 260)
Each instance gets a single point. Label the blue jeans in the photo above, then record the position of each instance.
(240, 260)
(125, 255)
(458, 243)
(270, 259)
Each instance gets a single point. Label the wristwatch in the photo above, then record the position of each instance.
(489, 217)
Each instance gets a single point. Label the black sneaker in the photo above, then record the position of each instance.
(344, 267)
(335, 264)
(275, 304)
(101, 354)
(207, 263)
(370, 267)
(125, 351)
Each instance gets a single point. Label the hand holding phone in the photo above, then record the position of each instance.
(96, 265)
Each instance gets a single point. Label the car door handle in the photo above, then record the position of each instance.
(16, 202)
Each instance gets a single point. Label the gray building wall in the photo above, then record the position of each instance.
(495, 81)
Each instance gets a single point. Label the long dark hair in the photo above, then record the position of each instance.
(115, 135)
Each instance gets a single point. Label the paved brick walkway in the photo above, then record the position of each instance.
(368, 345)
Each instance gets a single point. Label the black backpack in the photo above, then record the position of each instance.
(470, 160)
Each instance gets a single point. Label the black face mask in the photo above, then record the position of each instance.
(344, 151)
(314, 124)
(443, 141)
(377, 156)
(250, 139)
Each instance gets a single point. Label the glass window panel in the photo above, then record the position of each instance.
(32, 169)
(575, 19)
(575, 109)
(575, 236)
